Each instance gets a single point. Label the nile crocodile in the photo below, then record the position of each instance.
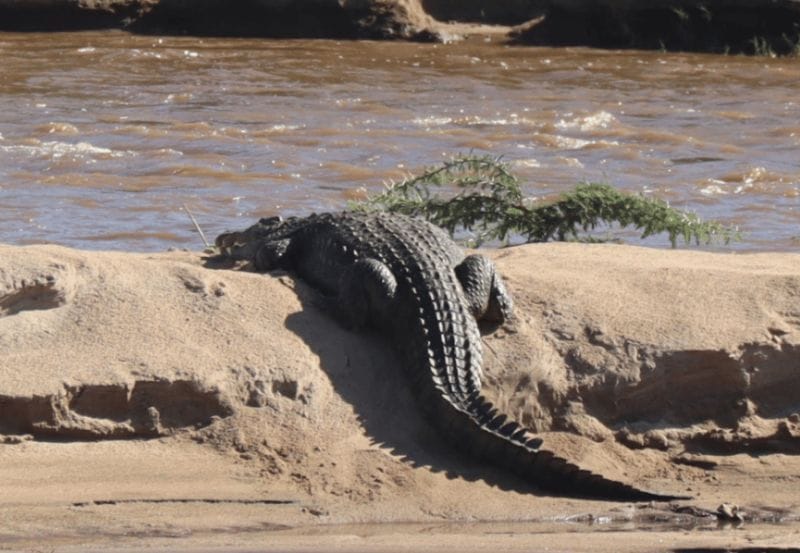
(409, 279)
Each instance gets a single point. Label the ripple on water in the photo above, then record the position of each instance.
(57, 128)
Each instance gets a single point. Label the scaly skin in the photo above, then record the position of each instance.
(408, 278)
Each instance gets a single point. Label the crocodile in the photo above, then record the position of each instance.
(407, 278)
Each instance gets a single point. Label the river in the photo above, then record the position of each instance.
(105, 136)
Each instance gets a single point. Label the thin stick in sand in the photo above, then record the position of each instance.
(196, 226)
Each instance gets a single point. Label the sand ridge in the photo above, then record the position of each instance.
(677, 371)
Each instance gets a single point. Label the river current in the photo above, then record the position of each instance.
(106, 136)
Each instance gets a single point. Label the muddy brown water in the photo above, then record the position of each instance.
(104, 136)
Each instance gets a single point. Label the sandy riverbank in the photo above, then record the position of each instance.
(149, 400)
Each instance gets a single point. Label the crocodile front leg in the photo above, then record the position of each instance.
(366, 292)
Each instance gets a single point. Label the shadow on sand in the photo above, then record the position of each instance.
(372, 380)
(366, 370)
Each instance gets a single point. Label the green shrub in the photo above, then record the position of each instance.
(481, 195)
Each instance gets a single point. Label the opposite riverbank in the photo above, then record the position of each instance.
(725, 26)
(163, 400)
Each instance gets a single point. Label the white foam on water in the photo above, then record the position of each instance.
(595, 121)
(58, 150)
(527, 163)
(571, 162)
(569, 143)
(283, 128)
(432, 121)
(473, 120)
(714, 189)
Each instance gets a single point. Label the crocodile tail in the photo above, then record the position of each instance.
(477, 427)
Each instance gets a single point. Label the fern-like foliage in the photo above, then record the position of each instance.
(481, 195)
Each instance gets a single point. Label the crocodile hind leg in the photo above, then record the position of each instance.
(271, 255)
(485, 291)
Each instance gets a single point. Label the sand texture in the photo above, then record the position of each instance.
(162, 400)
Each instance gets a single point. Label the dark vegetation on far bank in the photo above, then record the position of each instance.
(725, 27)
(765, 27)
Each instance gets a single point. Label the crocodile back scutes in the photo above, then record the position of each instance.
(430, 308)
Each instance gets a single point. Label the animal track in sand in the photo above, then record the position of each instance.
(46, 290)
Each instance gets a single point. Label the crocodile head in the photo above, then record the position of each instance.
(263, 243)
(267, 228)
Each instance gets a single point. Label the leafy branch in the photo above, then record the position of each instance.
(479, 194)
